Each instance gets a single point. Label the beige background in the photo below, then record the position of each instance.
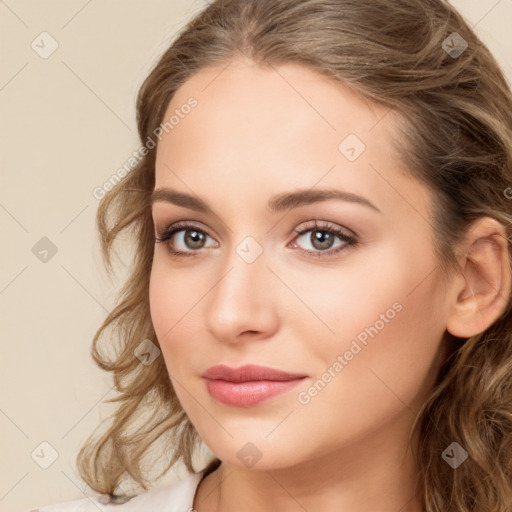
(67, 124)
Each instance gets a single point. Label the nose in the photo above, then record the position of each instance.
(242, 304)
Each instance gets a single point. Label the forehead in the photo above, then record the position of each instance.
(283, 104)
(278, 128)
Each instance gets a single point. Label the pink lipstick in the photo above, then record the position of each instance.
(248, 385)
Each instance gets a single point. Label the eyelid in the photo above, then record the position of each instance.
(325, 225)
(164, 236)
(182, 225)
(348, 237)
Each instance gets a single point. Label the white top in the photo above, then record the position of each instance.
(175, 497)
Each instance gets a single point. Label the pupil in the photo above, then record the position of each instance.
(195, 239)
(321, 240)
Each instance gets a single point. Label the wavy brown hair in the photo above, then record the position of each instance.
(456, 119)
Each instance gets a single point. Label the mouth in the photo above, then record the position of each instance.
(248, 385)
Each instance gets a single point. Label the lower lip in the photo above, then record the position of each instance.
(246, 394)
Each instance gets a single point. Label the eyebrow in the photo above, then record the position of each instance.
(277, 203)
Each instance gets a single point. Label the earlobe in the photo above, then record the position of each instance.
(481, 292)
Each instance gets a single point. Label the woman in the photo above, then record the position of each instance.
(320, 289)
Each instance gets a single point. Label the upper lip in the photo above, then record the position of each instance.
(248, 372)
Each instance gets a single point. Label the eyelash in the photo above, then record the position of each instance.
(326, 227)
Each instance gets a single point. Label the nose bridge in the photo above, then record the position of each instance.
(243, 276)
(240, 301)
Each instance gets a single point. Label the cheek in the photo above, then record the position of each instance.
(165, 307)
(172, 292)
(342, 303)
(390, 361)
(159, 300)
(388, 319)
(174, 299)
(377, 382)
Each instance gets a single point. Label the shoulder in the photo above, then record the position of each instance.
(175, 497)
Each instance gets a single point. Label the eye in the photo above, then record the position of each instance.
(319, 239)
(184, 239)
(322, 240)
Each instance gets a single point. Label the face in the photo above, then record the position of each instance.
(291, 239)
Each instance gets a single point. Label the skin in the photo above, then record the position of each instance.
(257, 132)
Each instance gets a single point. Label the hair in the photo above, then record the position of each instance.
(456, 131)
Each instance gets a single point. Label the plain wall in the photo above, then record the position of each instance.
(67, 124)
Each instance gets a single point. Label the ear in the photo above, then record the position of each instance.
(481, 290)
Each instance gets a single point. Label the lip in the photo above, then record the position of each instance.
(248, 385)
